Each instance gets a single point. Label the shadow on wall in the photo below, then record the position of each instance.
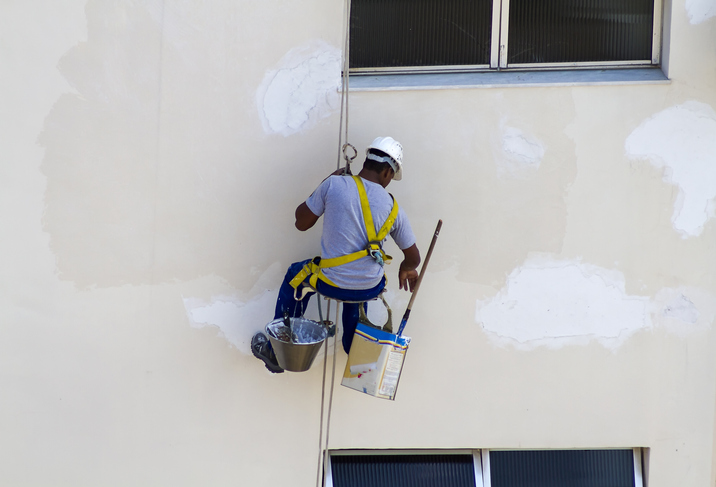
(143, 160)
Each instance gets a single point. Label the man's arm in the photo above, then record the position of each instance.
(305, 218)
(407, 274)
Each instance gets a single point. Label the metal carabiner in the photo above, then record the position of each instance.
(377, 256)
(348, 158)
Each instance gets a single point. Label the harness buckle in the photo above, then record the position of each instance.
(377, 255)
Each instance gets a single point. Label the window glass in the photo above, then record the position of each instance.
(401, 33)
(555, 31)
(562, 468)
(424, 35)
(403, 470)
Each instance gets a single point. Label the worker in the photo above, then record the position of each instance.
(351, 266)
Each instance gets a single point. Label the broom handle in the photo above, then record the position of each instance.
(404, 321)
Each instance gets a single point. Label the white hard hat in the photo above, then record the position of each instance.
(393, 148)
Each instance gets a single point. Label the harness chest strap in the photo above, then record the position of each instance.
(313, 270)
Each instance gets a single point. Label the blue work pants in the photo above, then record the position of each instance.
(286, 301)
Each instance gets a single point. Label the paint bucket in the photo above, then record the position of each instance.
(296, 347)
(375, 362)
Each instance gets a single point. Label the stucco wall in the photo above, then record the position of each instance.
(152, 156)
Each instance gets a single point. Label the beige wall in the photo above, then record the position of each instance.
(152, 156)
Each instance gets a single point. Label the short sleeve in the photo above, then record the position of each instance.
(317, 201)
(402, 232)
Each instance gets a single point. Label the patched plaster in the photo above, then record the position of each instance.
(682, 141)
(700, 10)
(683, 310)
(142, 160)
(554, 303)
(236, 320)
(301, 90)
(239, 316)
(518, 153)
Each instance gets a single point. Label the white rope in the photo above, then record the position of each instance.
(330, 399)
(320, 428)
(345, 82)
(345, 86)
(323, 451)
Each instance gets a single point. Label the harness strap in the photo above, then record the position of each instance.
(313, 269)
(374, 239)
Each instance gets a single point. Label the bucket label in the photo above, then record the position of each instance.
(375, 362)
(392, 373)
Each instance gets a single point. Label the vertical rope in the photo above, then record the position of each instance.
(330, 397)
(323, 392)
(320, 428)
(345, 87)
(345, 83)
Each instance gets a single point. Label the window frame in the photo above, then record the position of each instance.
(499, 51)
(481, 460)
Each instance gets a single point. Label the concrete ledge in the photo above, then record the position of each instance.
(505, 79)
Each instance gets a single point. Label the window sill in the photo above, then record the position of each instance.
(506, 79)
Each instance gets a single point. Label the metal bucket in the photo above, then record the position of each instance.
(296, 352)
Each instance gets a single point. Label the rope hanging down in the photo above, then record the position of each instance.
(343, 144)
(343, 148)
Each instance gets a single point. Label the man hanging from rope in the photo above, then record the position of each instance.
(351, 264)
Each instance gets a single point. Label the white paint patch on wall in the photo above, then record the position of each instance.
(518, 153)
(555, 303)
(301, 90)
(239, 317)
(700, 10)
(683, 310)
(682, 140)
(237, 320)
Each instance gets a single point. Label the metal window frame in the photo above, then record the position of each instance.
(637, 452)
(504, 31)
(476, 459)
(480, 460)
(495, 44)
(499, 51)
(458, 68)
(656, 31)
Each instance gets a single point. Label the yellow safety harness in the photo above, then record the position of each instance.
(314, 269)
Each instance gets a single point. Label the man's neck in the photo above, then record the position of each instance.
(371, 176)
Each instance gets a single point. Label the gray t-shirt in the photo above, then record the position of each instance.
(344, 229)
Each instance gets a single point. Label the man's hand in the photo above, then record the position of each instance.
(408, 279)
(407, 274)
(338, 172)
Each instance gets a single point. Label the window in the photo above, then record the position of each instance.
(564, 468)
(403, 469)
(486, 468)
(397, 36)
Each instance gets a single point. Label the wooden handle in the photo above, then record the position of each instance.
(425, 264)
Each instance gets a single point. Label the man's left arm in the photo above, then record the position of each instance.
(408, 274)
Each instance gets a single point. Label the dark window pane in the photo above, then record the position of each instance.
(562, 468)
(399, 33)
(553, 31)
(403, 471)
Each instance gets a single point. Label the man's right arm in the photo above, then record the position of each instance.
(305, 218)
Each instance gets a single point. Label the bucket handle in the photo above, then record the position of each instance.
(363, 318)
